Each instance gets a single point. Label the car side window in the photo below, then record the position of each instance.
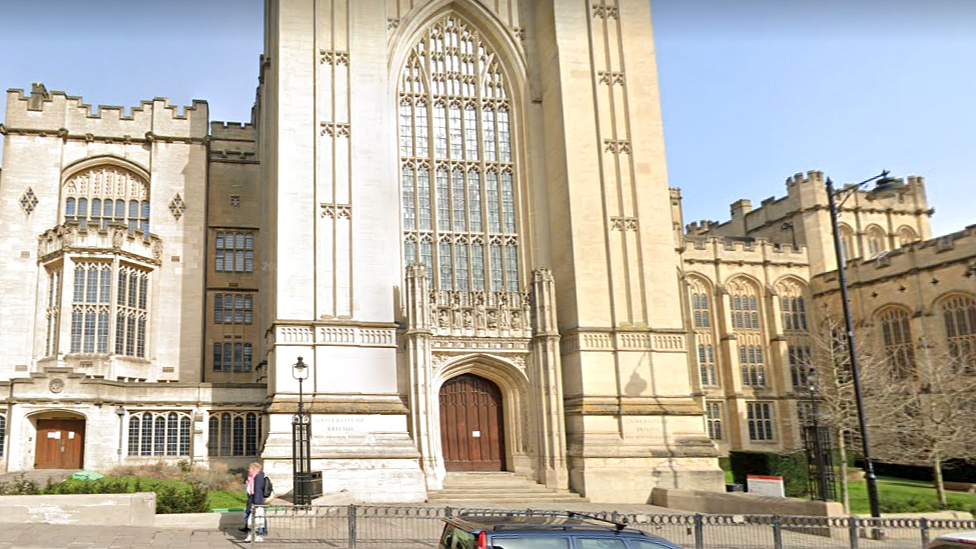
(529, 542)
(600, 543)
(447, 537)
(464, 539)
(645, 544)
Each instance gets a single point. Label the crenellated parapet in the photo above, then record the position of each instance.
(67, 117)
(741, 251)
(955, 252)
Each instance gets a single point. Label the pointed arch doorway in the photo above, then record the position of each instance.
(472, 424)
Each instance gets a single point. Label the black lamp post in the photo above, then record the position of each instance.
(301, 441)
(884, 184)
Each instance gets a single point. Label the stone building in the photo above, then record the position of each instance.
(457, 214)
(759, 285)
(444, 207)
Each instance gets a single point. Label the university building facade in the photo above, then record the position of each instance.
(457, 213)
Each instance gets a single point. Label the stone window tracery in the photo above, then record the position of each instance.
(704, 336)
(234, 434)
(744, 297)
(460, 193)
(896, 336)
(959, 317)
(713, 418)
(107, 194)
(793, 308)
(847, 247)
(232, 357)
(165, 433)
(906, 235)
(233, 309)
(759, 416)
(876, 240)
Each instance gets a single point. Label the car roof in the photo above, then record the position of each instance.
(514, 523)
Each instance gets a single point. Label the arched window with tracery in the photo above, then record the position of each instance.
(458, 177)
(847, 246)
(159, 434)
(702, 324)
(876, 240)
(107, 194)
(793, 298)
(747, 326)
(234, 434)
(906, 235)
(959, 318)
(896, 336)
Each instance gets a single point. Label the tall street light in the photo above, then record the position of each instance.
(301, 442)
(884, 184)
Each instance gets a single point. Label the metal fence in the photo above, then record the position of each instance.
(366, 527)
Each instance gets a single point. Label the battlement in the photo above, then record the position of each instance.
(237, 131)
(931, 254)
(698, 228)
(812, 176)
(70, 117)
(741, 249)
(675, 193)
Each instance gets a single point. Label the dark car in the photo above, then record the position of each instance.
(562, 531)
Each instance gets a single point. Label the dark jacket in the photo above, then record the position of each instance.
(257, 498)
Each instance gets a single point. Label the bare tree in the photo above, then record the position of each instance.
(829, 375)
(936, 416)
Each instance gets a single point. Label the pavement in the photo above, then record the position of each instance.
(52, 536)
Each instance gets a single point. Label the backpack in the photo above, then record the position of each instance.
(268, 489)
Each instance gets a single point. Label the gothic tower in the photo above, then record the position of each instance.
(468, 227)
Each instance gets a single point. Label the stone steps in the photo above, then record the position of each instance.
(472, 489)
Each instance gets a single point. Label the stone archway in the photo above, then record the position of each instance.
(472, 424)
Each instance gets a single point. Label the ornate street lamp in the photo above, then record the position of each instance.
(885, 184)
(301, 442)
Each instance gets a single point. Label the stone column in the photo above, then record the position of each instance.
(546, 382)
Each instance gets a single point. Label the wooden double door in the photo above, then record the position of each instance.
(472, 424)
(60, 444)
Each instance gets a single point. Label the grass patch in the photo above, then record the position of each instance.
(905, 496)
(226, 499)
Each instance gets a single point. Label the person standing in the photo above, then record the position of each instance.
(255, 496)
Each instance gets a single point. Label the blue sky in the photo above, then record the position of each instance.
(752, 91)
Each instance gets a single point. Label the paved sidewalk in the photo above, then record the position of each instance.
(52, 536)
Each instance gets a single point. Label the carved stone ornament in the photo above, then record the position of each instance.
(56, 385)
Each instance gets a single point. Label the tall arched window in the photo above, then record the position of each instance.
(458, 177)
(704, 337)
(848, 249)
(906, 235)
(896, 336)
(793, 307)
(746, 323)
(107, 194)
(876, 240)
(959, 317)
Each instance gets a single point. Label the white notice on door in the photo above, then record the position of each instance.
(476, 434)
(54, 434)
(71, 435)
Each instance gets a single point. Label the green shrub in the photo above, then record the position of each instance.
(725, 463)
(170, 500)
(792, 467)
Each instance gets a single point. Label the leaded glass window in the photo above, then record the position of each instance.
(234, 434)
(959, 316)
(90, 307)
(461, 194)
(131, 313)
(896, 335)
(744, 297)
(107, 194)
(159, 434)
